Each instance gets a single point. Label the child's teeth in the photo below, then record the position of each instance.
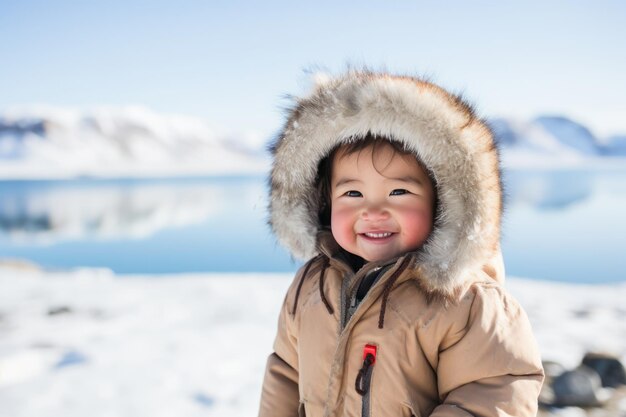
(378, 235)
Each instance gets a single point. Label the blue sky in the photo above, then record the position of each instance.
(230, 63)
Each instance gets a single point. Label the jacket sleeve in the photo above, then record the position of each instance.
(280, 396)
(491, 366)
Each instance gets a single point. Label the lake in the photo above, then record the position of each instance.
(558, 225)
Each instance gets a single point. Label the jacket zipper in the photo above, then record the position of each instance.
(353, 303)
(364, 378)
(350, 287)
(348, 305)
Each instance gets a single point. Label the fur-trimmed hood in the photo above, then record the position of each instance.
(440, 128)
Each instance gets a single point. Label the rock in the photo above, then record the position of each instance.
(614, 407)
(581, 387)
(610, 369)
(552, 369)
(55, 311)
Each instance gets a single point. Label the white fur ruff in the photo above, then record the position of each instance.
(438, 127)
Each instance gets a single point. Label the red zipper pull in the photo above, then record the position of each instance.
(371, 350)
(369, 359)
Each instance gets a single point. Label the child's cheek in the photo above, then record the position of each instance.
(342, 226)
(417, 225)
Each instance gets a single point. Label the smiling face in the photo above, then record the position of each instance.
(381, 203)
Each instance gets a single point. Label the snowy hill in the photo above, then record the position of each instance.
(555, 141)
(49, 142)
(616, 145)
(118, 142)
(569, 133)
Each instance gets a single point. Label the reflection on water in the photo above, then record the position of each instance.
(552, 190)
(140, 226)
(38, 213)
(564, 225)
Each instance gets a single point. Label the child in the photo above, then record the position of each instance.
(390, 186)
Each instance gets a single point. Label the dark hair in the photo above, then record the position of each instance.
(351, 146)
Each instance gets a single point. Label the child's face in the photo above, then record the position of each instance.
(381, 204)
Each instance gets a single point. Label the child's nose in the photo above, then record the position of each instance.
(373, 212)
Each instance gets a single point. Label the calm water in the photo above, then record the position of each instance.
(563, 225)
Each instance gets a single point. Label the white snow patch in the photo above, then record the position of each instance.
(87, 342)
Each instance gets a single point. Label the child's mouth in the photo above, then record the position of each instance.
(377, 237)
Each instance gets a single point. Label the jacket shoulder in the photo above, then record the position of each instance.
(488, 312)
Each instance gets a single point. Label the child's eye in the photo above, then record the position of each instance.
(399, 191)
(353, 193)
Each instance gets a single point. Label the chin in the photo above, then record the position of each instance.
(378, 258)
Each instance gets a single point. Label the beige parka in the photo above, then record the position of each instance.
(437, 334)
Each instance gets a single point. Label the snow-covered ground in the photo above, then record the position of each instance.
(89, 343)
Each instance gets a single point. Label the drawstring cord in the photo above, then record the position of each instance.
(387, 289)
(325, 266)
(359, 385)
(302, 277)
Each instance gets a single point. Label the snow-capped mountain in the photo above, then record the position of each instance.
(113, 142)
(552, 141)
(569, 133)
(50, 142)
(616, 145)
